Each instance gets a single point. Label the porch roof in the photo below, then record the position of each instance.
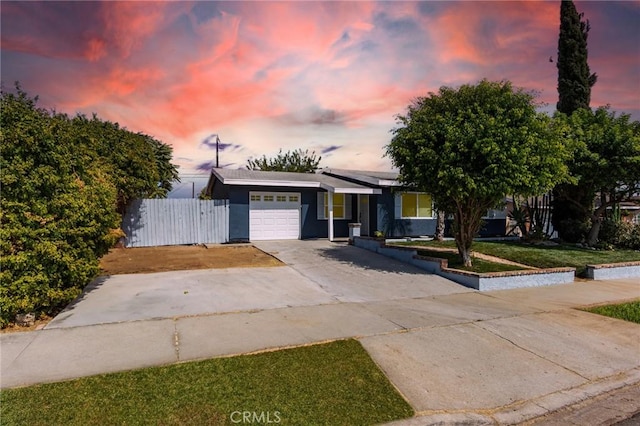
(377, 178)
(292, 180)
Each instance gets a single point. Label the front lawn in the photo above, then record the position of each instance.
(479, 265)
(625, 311)
(335, 383)
(542, 256)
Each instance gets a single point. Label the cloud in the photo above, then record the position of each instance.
(329, 149)
(270, 75)
(213, 142)
(313, 115)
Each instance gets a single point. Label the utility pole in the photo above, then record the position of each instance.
(217, 148)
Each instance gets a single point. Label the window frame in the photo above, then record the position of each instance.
(323, 211)
(417, 206)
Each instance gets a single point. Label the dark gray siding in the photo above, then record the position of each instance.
(238, 214)
(397, 227)
(311, 226)
(383, 208)
(381, 212)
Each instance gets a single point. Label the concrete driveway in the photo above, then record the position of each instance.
(315, 273)
(351, 274)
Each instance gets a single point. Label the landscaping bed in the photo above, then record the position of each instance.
(479, 265)
(543, 256)
(516, 276)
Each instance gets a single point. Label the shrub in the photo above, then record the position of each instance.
(574, 230)
(624, 235)
(63, 181)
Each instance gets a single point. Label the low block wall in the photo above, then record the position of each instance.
(612, 271)
(482, 282)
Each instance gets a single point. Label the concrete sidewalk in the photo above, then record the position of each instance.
(497, 357)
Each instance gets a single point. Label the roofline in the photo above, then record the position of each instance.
(297, 184)
(355, 175)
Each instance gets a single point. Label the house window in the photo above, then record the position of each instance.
(341, 206)
(281, 198)
(255, 198)
(268, 198)
(416, 205)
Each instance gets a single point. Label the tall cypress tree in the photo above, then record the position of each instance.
(574, 77)
(571, 217)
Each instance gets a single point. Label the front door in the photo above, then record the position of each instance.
(363, 214)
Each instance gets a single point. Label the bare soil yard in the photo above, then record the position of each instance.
(142, 260)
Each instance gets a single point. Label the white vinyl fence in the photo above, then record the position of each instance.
(163, 222)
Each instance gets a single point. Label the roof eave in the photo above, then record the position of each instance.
(279, 183)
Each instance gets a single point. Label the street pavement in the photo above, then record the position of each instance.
(456, 355)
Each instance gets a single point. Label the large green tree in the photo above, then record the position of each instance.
(299, 161)
(471, 146)
(63, 183)
(605, 162)
(574, 89)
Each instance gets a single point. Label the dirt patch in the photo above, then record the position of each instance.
(178, 258)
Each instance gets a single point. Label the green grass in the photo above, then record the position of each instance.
(479, 265)
(330, 384)
(543, 256)
(625, 311)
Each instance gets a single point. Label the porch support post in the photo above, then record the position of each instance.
(330, 218)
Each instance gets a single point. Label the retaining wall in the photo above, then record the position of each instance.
(482, 282)
(612, 271)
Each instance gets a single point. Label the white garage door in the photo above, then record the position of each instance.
(274, 215)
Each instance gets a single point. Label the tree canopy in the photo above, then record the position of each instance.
(64, 180)
(299, 161)
(471, 146)
(574, 77)
(605, 163)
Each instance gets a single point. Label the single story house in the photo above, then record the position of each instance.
(265, 205)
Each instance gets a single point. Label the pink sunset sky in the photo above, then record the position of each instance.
(323, 76)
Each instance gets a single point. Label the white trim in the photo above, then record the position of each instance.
(330, 219)
(297, 184)
(355, 175)
(370, 191)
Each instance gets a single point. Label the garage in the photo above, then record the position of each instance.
(274, 215)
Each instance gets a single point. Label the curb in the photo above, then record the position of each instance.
(527, 412)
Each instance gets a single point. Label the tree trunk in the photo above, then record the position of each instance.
(465, 254)
(464, 237)
(440, 226)
(592, 238)
(596, 220)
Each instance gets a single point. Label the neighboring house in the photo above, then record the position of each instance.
(281, 205)
(630, 210)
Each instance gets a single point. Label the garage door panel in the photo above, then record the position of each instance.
(274, 215)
